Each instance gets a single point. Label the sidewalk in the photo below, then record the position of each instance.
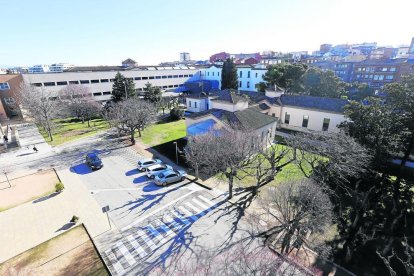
(38, 222)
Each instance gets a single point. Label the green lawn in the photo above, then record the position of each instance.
(71, 129)
(289, 172)
(163, 132)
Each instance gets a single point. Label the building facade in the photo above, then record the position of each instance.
(9, 100)
(100, 79)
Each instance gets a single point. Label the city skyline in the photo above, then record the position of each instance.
(105, 32)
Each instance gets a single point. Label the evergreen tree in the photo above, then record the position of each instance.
(152, 94)
(119, 91)
(229, 78)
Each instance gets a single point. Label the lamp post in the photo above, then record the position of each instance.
(5, 174)
(176, 152)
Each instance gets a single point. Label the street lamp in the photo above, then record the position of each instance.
(176, 152)
(5, 174)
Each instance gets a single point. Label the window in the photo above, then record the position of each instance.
(248, 74)
(190, 75)
(38, 84)
(218, 74)
(208, 73)
(9, 101)
(273, 115)
(84, 81)
(4, 86)
(287, 118)
(151, 78)
(62, 83)
(175, 76)
(112, 80)
(195, 104)
(170, 76)
(137, 78)
(256, 75)
(144, 78)
(392, 69)
(104, 80)
(212, 74)
(94, 81)
(97, 94)
(240, 85)
(49, 84)
(180, 76)
(157, 77)
(248, 84)
(189, 103)
(305, 121)
(389, 77)
(164, 77)
(241, 74)
(106, 93)
(325, 124)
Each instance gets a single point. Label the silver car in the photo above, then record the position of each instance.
(145, 163)
(169, 176)
(154, 170)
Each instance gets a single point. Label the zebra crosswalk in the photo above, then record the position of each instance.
(127, 252)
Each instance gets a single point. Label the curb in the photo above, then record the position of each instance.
(96, 249)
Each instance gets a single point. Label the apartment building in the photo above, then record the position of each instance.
(99, 79)
(9, 88)
(248, 76)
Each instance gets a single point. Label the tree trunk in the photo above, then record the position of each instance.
(89, 123)
(83, 119)
(231, 179)
(50, 134)
(139, 132)
(133, 136)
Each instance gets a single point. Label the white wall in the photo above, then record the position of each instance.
(248, 83)
(315, 119)
(240, 105)
(166, 83)
(197, 104)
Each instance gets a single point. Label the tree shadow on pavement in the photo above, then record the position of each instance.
(235, 211)
(45, 197)
(66, 226)
(152, 199)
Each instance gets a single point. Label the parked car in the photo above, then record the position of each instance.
(144, 164)
(93, 161)
(169, 176)
(154, 170)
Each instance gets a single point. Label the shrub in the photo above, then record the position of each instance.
(59, 187)
(176, 113)
(74, 219)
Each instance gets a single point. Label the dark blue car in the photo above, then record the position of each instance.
(93, 161)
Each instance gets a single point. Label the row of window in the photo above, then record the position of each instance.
(305, 121)
(247, 84)
(9, 101)
(4, 86)
(376, 69)
(59, 83)
(375, 77)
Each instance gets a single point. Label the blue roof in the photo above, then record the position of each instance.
(201, 127)
(321, 103)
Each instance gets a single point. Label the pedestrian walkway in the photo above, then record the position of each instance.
(28, 135)
(142, 242)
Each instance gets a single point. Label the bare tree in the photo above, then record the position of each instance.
(42, 106)
(132, 115)
(226, 152)
(240, 259)
(269, 161)
(81, 103)
(323, 154)
(297, 215)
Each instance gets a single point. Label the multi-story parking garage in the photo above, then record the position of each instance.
(100, 79)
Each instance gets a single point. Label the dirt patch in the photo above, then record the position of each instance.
(27, 188)
(75, 132)
(71, 253)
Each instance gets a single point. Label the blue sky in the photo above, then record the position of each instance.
(90, 32)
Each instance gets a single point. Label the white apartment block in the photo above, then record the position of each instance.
(60, 67)
(248, 76)
(41, 68)
(100, 79)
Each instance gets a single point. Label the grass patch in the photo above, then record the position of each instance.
(71, 129)
(289, 172)
(71, 253)
(163, 132)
